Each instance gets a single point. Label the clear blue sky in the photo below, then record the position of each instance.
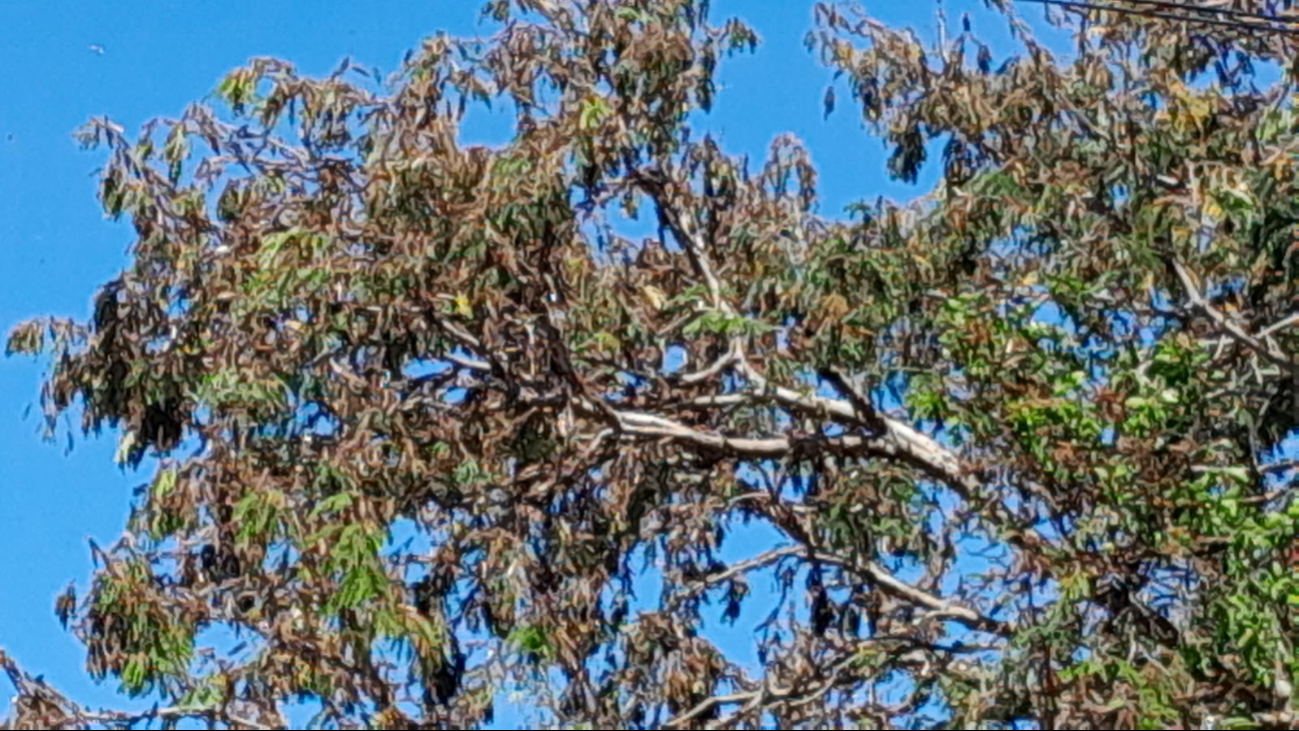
(132, 60)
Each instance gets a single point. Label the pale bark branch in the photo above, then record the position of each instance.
(762, 560)
(1279, 325)
(472, 364)
(896, 438)
(939, 608)
(767, 697)
(655, 185)
(640, 424)
(732, 356)
(764, 695)
(35, 690)
(709, 402)
(1198, 301)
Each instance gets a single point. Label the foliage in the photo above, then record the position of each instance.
(1042, 495)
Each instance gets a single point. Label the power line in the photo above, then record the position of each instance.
(1169, 5)
(1083, 5)
(1253, 27)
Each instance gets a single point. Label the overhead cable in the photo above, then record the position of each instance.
(1269, 24)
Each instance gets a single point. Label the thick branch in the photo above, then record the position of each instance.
(865, 411)
(896, 439)
(641, 424)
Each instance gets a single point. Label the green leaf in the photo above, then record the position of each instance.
(333, 504)
(594, 110)
(238, 88)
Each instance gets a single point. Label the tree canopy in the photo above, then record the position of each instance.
(425, 418)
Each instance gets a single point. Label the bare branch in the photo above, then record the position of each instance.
(865, 411)
(708, 402)
(472, 364)
(762, 560)
(648, 425)
(1279, 325)
(939, 608)
(897, 439)
(35, 690)
(734, 353)
(655, 184)
(1226, 325)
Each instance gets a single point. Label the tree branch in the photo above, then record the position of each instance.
(762, 560)
(641, 424)
(655, 184)
(938, 607)
(1200, 303)
(865, 411)
(767, 697)
(763, 695)
(1279, 325)
(34, 689)
(733, 355)
(896, 438)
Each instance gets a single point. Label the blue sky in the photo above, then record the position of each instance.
(132, 60)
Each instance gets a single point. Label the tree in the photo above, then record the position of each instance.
(1019, 439)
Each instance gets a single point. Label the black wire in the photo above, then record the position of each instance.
(1079, 5)
(1168, 5)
